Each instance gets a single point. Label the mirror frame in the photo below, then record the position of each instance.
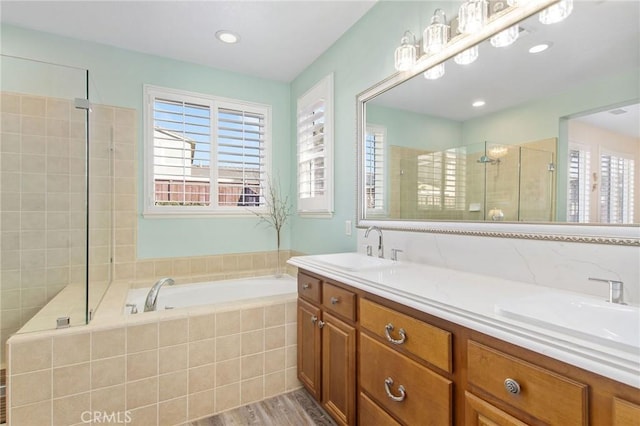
(623, 235)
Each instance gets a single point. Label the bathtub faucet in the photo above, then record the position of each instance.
(152, 296)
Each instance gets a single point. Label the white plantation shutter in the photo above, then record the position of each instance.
(441, 180)
(311, 151)
(616, 188)
(374, 159)
(579, 186)
(241, 157)
(204, 154)
(315, 149)
(181, 152)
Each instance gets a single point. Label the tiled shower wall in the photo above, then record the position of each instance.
(43, 203)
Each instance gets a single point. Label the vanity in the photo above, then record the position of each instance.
(396, 343)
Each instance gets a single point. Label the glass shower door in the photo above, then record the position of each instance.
(44, 170)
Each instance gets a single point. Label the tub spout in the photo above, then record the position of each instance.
(152, 296)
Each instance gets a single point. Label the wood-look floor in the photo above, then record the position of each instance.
(295, 408)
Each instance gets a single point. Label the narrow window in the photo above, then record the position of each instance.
(315, 149)
(616, 188)
(579, 186)
(374, 157)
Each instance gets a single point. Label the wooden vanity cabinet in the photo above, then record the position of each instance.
(327, 346)
(451, 375)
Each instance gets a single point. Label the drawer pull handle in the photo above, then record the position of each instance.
(306, 286)
(388, 382)
(320, 324)
(314, 319)
(512, 386)
(334, 300)
(387, 332)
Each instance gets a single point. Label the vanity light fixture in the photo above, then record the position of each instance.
(436, 35)
(472, 16)
(538, 48)
(405, 56)
(508, 36)
(435, 72)
(228, 37)
(556, 13)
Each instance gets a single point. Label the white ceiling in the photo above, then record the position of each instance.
(279, 39)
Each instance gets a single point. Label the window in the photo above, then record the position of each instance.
(579, 187)
(441, 180)
(616, 188)
(315, 149)
(374, 164)
(204, 154)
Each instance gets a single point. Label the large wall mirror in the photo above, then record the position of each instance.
(518, 144)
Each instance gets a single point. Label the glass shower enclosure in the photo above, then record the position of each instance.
(53, 244)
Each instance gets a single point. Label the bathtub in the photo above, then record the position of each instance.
(212, 293)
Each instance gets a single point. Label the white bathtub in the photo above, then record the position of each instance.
(212, 293)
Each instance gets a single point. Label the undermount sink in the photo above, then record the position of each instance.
(352, 261)
(585, 317)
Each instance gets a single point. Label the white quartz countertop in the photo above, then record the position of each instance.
(473, 301)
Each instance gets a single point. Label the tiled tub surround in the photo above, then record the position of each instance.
(159, 367)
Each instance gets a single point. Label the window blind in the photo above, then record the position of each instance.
(181, 152)
(579, 186)
(240, 157)
(441, 180)
(616, 189)
(311, 150)
(374, 167)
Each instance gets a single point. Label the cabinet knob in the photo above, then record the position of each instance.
(387, 332)
(388, 382)
(320, 324)
(512, 386)
(314, 319)
(306, 286)
(334, 300)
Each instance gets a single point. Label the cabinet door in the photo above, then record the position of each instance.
(481, 413)
(309, 348)
(625, 413)
(339, 369)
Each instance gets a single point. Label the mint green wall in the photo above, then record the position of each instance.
(117, 77)
(414, 130)
(359, 59)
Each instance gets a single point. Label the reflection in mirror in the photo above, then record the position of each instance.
(516, 136)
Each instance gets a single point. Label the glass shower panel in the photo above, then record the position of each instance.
(44, 226)
(536, 185)
(502, 163)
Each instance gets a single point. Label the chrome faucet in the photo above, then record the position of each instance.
(152, 296)
(380, 246)
(616, 294)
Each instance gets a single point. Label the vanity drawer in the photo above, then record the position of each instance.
(370, 414)
(339, 300)
(427, 399)
(551, 398)
(309, 287)
(426, 341)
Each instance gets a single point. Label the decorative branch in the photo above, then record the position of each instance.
(278, 208)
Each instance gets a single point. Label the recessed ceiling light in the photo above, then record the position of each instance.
(228, 37)
(478, 103)
(540, 47)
